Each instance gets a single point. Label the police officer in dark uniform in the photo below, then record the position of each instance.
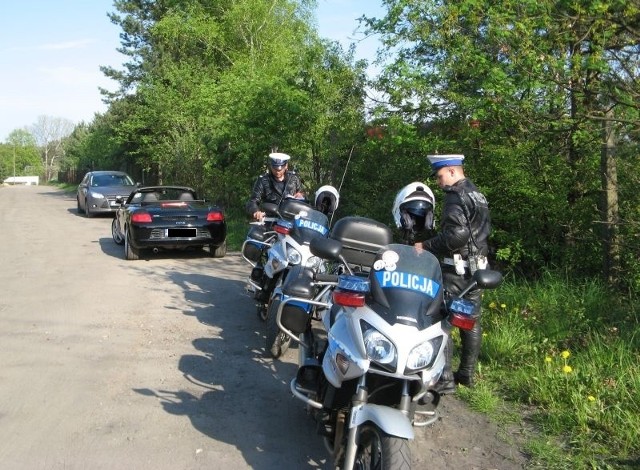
(275, 185)
(462, 247)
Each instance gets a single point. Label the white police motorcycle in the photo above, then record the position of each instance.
(371, 380)
(285, 252)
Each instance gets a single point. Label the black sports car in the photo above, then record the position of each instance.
(168, 217)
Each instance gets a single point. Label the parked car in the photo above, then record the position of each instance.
(168, 217)
(98, 191)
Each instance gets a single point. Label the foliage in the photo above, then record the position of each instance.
(569, 352)
(19, 156)
(212, 89)
(522, 89)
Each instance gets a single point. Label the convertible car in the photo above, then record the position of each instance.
(168, 217)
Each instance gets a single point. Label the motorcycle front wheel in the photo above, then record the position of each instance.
(277, 342)
(379, 451)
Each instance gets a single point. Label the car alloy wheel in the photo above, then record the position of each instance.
(115, 232)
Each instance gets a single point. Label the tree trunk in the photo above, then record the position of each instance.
(610, 210)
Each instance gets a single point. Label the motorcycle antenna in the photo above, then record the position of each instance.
(345, 168)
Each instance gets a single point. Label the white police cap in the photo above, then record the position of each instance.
(441, 161)
(278, 159)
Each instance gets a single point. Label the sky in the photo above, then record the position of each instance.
(51, 52)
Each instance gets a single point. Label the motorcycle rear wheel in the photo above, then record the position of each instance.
(277, 343)
(379, 451)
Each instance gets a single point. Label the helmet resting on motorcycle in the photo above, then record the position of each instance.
(413, 207)
(327, 199)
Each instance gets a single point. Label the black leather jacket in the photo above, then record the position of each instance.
(460, 228)
(267, 189)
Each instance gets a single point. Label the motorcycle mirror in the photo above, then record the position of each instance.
(483, 279)
(487, 278)
(270, 208)
(326, 248)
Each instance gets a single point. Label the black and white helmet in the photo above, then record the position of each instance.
(413, 209)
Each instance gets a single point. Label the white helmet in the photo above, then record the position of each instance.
(327, 199)
(414, 206)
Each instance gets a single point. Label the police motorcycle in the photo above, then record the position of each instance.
(387, 326)
(283, 253)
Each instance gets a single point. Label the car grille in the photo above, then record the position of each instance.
(111, 198)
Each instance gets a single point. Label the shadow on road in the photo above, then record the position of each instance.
(234, 393)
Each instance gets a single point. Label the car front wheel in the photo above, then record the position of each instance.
(87, 211)
(80, 211)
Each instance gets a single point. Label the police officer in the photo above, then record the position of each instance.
(461, 245)
(274, 186)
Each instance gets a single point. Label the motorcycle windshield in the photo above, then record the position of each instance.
(406, 286)
(310, 224)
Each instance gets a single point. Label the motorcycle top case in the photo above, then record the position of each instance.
(361, 238)
(289, 208)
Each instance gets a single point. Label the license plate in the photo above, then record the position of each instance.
(182, 232)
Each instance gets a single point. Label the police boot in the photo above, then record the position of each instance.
(471, 340)
(446, 384)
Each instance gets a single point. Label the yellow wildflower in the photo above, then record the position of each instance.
(591, 398)
(547, 359)
(492, 305)
(503, 305)
(567, 369)
(565, 354)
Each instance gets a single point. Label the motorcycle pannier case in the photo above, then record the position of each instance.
(250, 250)
(361, 239)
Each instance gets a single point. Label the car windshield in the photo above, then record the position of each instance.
(111, 180)
(162, 194)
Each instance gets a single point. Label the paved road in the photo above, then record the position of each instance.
(153, 364)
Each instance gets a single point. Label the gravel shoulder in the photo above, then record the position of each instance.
(158, 363)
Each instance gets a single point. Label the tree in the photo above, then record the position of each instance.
(212, 89)
(522, 88)
(49, 133)
(19, 156)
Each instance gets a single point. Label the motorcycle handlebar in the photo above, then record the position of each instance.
(320, 277)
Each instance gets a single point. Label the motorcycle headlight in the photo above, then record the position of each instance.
(293, 256)
(423, 354)
(378, 347)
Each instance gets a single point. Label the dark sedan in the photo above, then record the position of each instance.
(168, 217)
(98, 190)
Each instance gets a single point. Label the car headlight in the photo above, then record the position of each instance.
(424, 354)
(378, 347)
(293, 256)
(96, 195)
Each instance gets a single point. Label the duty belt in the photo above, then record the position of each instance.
(450, 262)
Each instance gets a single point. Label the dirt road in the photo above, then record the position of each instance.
(156, 364)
